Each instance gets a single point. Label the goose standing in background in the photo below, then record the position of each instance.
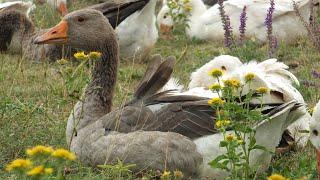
(154, 130)
(138, 33)
(21, 6)
(205, 24)
(18, 32)
(269, 73)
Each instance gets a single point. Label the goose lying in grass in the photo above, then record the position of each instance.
(23, 7)
(154, 130)
(314, 133)
(269, 73)
(18, 32)
(205, 24)
(138, 33)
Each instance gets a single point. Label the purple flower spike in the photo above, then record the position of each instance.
(228, 37)
(243, 24)
(268, 24)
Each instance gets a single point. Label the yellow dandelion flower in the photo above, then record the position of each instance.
(240, 141)
(48, 170)
(80, 55)
(94, 55)
(62, 61)
(276, 177)
(36, 171)
(165, 175)
(219, 124)
(230, 137)
(18, 163)
(178, 174)
(215, 72)
(262, 90)
(249, 77)
(235, 83)
(64, 154)
(216, 101)
(215, 87)
(39, 150)
(222, 123)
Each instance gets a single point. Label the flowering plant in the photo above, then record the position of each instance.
(179, 11)
(236, 114)
(42, 161)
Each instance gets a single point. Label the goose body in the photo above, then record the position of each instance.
(206, 24)
(269, 73)
(138, 33)
(155, 130)
(314, 133)
(21, 6)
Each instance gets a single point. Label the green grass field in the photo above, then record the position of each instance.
(34, 104)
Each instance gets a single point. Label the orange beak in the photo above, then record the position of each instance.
(165, 29)
(62, 8)
(56, 35)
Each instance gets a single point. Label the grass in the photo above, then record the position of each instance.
(34, 104)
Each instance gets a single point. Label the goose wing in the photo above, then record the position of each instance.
(117, 11)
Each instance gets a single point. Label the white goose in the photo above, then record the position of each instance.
(270, 73)
(206, 23)
(138, 33)
(314, 133)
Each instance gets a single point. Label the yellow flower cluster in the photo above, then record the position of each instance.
(94, 55)
(222, 123)
(187, 7)
(230, 137)
(80, 55)
(19, 163)
(62, 61)
(262, 90)
(178, 174)
(276, 177)
(38, 170)
(215, 87)
(216, 101)
(64, 154)
(39, 150)
(165, 175)
(249, 77)
(234, 83)
(215, 72)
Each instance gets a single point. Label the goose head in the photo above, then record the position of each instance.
(164, 20)
(226, 63)
(315, 132)
(85, 29)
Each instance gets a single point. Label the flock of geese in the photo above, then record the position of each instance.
(164, 126)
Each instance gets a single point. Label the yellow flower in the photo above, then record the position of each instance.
(62, 61)
(215, 72)
(240, 141)
(80, 55)
(19, 163)
(48, 170)
(230, 137)
(235, 83)
(311, 110)
(95, 55)
(262, 90)
(36, 171)
(216, 101)
(222, 123)
(165, 175)
(64, 154)
(215, 86)
(39, 150)
(187, 7)
(276, 177)
(249, 77)
(178, 174)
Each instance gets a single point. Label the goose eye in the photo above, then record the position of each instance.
(223, 68)
(315, 132)
(80, 19)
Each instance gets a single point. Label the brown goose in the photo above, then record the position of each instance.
(154, 130)
(18, 32)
